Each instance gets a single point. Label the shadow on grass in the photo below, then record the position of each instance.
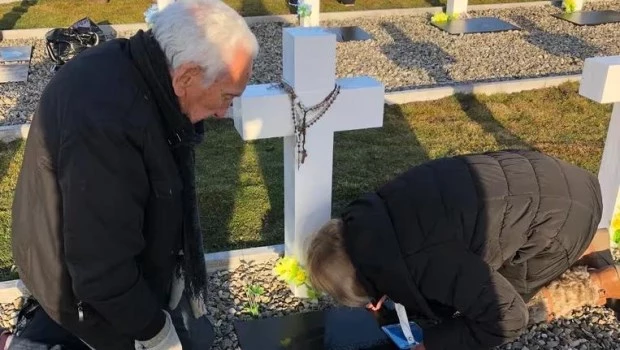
(478, 112)
(408, 54)
(366, 159)
(217, 176)
(9, 20)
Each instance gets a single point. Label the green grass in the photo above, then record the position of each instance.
(61, 13)
(241, 186)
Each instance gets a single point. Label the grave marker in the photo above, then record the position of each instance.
(588, 18)
(264, 111)
(470, 25)
(14, 63)
(600, 82)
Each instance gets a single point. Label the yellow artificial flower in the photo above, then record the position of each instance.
(300, 278)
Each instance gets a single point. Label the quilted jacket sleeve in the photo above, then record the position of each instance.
(491, 311)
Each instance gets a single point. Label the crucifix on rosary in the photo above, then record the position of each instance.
(299, 113)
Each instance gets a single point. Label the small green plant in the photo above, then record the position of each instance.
(569, 6)
(253, 291)
(304, 10)
(442, 17)
(289, 270)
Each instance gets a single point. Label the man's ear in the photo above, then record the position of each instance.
(187, 75)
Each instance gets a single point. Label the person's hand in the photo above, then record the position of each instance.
(378, 306)
(166, 339)
(419, 347)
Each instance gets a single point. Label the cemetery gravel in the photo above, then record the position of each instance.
(586, 329)
(407, 52)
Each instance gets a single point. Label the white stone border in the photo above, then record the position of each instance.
(325, 16)
(482, 88)
(219, 261)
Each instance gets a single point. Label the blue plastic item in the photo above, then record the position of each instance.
(398, 337)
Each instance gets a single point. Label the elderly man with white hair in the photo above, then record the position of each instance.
(105, 232)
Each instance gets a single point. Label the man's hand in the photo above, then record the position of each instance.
(419, 347)
(166, 339)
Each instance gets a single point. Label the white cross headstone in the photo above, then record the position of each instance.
(309, 67)
(161, 4)
(456, 7)
(314, 19)
(600, 82)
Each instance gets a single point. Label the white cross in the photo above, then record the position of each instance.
(309, 66)
(600, 82)
(456, 7)
(314, 19)
(161, 4)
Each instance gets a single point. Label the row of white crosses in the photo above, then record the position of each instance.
(600, 82)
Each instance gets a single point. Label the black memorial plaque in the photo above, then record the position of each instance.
(352, 33)
(590, 18)
(333, 329)
(476, 25)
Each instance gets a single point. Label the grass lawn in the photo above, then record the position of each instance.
(241, 186)
(61, 13)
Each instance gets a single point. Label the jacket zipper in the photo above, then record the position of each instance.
(80, 311)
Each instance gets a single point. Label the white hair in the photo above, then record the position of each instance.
(206, 32)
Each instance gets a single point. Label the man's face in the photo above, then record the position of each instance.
(198, 101)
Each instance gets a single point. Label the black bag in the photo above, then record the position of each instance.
(65, 43)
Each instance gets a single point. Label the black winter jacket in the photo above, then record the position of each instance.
(97, 210)
(464, 241)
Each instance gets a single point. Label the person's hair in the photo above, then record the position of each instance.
(330, 269)
(206, 32)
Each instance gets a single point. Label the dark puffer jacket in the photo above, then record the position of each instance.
(465, 241)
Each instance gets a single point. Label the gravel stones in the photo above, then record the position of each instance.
(406, 52)
(18, 100)
(228, 299)
(586, 329)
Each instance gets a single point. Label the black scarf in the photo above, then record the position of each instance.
(182, 136)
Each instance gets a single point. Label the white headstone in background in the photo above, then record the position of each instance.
(456, 7)
(264, 111)
(314, 19)
(600, 82)
(161, 4)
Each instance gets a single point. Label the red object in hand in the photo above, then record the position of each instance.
(378, 306)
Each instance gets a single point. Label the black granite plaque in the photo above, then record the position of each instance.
(590, 18)
(476, 25)
(333, 329)
(352, 33)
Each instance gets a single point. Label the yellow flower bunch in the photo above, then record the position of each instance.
(289, 270)
(615, 228)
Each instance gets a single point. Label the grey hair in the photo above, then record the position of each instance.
(206, 32)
